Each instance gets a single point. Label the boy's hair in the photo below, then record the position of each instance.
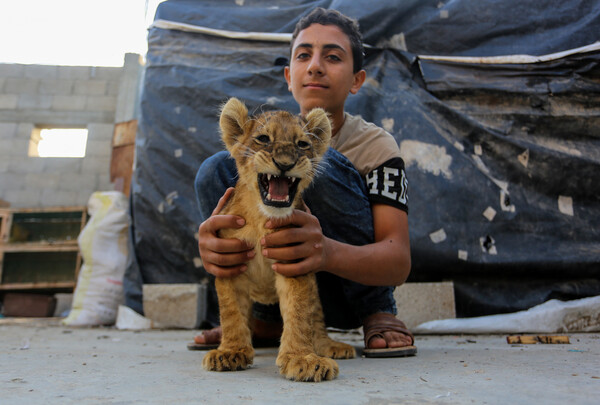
(348, 26)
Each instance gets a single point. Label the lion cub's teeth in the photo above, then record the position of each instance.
(269, 177)
(269, 196)
(287, 198)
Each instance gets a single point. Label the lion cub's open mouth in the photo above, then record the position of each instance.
(277, 191)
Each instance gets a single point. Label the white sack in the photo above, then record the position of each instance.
(553, 316)
(103, 244)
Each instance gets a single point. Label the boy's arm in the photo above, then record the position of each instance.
(384, 262)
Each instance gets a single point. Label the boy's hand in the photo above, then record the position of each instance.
(301, 247)
(223, 257)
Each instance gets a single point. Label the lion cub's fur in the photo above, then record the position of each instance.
(273, 143)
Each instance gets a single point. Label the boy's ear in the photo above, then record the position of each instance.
(318, 124)
(288, 78)
(234, 116)
(357, 82)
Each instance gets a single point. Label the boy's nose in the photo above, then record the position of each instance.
(315, 67)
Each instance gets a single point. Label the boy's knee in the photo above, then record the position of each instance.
(205, 176)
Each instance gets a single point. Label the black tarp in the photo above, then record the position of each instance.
(502, 158)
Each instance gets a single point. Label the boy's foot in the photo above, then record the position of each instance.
(264, 334)
(387, 336)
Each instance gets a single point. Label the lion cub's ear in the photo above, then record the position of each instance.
(319, 125)
(234, 116)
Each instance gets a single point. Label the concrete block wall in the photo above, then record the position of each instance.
(70, 96)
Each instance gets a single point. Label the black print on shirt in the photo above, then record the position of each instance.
(388, 184)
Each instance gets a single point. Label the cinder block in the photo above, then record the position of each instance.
(8, 101)
(21, 85)
(8, 130)
(90, 87)
(74, 72)
(423, 302)
(56, 86)
(95, 164)
(75, 181)
(105, 72)
(41, 180)
(74, 103)
(41, 71)
(175, 305)
(34, 101)
(11, 70)
(57, 197)
(101, 103)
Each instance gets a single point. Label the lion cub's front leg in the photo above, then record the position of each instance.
(324, 345)
(297, 359)
(235, 351)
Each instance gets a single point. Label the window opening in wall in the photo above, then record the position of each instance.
(58, 142)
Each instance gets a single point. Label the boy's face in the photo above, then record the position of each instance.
(321, 69)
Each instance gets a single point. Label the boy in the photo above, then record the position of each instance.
(354, 237)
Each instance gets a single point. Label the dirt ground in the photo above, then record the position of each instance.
(42, 362)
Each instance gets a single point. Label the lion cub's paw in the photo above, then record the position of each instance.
(335, 350)
(228, 360)
(309, 367)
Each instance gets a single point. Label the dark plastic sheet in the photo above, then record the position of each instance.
(518, 139)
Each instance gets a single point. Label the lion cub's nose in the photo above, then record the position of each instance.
(283, 166)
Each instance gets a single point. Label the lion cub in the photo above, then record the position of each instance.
(276, 154)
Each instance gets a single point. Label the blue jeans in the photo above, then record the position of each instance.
(338, 198)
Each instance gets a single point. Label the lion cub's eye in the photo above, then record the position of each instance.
(303, 144)
(262, 139)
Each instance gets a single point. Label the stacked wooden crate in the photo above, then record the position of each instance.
(38, 248)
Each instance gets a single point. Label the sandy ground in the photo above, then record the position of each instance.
(42, 362)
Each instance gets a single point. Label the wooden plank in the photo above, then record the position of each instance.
(37, 286)
(69, 208)
(67, 246)
(529, 339)
(124, 133)
(5, 224)
(121, 167)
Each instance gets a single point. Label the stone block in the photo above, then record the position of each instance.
(41, 180)
(40, 71)
(101, 103)
(423, 302)
(8, 101)
(105, 72)
(23, 198)
(95, 164)
(76, 182)
(56, 86)
(74, 72)
(16, 85)
(8, 130)
(11, 70)
(34, 101)
(22, 164)
(90, 87)
(175, 305)
(62, 165)
(57, 197)
(72, 103)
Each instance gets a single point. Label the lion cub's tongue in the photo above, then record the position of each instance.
(279, 188)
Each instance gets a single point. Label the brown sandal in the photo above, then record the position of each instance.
(375, 325)
(212, 337)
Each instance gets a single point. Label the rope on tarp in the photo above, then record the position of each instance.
(286, 37)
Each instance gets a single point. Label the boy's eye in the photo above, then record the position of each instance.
(334, 58)
(303, 56)
(262, 139)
